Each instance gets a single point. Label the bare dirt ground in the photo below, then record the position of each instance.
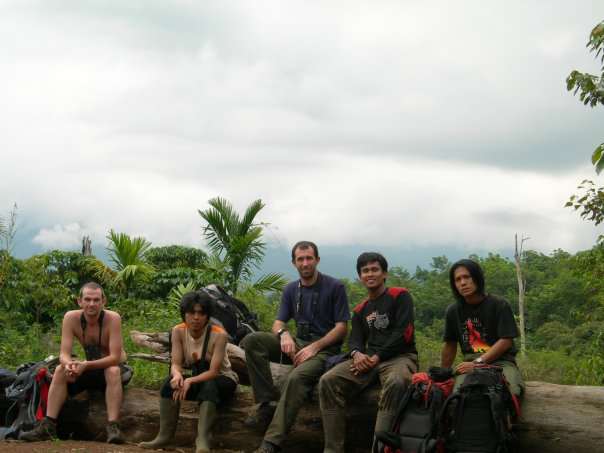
(76, 446)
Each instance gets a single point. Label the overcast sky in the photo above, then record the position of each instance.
(366, 123)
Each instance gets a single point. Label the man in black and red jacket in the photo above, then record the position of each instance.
(381, 345)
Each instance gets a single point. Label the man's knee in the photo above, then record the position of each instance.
(60, 377)
(113, 375)
(325, 385)
(331, 395)
(253, 341)
(395, 385)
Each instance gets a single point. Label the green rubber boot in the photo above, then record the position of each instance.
(207, 414)
(168, 419)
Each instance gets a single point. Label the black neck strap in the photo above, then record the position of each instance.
(83, 323)
(315, 298)
(202, 360)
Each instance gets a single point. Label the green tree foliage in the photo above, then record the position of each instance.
(238, 240)
(175, 256)
(591, 87)
(161, 284)
(590, 204)
(36, 291)
(591, 92)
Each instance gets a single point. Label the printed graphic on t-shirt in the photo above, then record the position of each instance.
(379, 321)
(473, 337)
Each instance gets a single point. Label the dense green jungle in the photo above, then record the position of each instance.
(564, 302)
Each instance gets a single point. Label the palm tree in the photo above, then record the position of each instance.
(128, 256)
(238, 242)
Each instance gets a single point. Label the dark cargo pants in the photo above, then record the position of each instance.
(261, 348)
(339, 384)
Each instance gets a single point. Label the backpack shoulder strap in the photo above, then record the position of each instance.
(497, 414)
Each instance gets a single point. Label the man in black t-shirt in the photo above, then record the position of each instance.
(319, 306)
(482, 324)
(381, 345)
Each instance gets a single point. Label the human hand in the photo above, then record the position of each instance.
(176, 381)
(361, 363)
(288, 347)
(464, 367)
(305, 353)
(75, 368)
(179, 394)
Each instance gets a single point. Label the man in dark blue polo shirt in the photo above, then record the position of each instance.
(319, 306)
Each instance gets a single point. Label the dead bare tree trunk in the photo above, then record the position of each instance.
(521, 290)
(86, 246)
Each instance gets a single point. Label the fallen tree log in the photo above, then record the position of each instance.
(556, 419)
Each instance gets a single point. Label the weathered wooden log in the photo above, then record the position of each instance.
(556, 419)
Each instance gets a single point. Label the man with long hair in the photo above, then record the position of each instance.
(482, 324)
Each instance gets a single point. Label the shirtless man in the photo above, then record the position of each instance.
(100, 333)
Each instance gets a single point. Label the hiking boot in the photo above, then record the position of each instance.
(268, 447)
(114, 434)
(43, 430)
(262, 417)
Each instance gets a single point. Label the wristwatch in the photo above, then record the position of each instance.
(280, 331)
(354, 351)
(478, 361)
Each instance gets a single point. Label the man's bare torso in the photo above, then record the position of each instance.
(72, 318)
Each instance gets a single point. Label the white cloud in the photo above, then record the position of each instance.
(356, 122)
(60, 236)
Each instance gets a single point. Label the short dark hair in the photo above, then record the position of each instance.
(93, 286)
(189, 300)
(371, 257)
(475, 272)
(303, 245)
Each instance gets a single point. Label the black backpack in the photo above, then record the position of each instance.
(29, 394)
(484, 411)
(231, 314)
(415, 428)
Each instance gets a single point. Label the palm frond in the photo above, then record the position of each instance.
(133, 271)
(271, 282)
(99, 270)
(251, 212)
(180, 290)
